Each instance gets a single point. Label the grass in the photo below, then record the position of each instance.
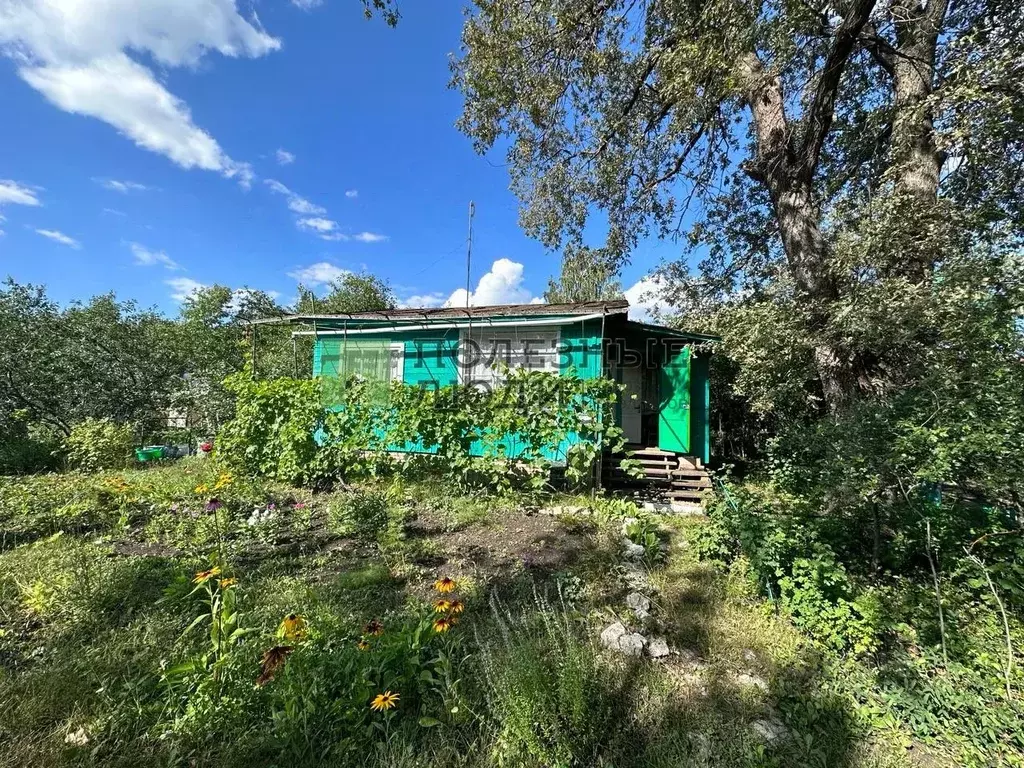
(99, 666)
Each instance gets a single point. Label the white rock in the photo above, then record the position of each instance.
(752, 681)
(638, 604)
(770, 731)
(657, 648)
(632, 644)
(611, 635)
(632, 551)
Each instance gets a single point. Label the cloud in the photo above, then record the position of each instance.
(350, 193)
(13, 193)
(321, 273)
(503, 284)
(59, 237)
(318, 224)
(124, 187)
(184, 287)
(369, 237)
(114, 212)
(425, 300)
(284, 157)
(307, 5)
(147, 258)
(296, 203)
(76, 55)
(644, 302)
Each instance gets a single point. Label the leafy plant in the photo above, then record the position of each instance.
(95, 444)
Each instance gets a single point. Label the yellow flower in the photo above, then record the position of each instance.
(457, 606)
(226, 583)
(293, 628)
(445, 585)
(442, 606)
(383, 701)
(363, 645)
(202, 488)
(223, 481)
(203, 576)
(444, 624)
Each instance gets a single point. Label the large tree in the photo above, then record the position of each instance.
(766, 133)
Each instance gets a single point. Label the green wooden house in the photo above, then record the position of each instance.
(664, 412)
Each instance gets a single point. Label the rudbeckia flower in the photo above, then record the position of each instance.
(445, 585)
(293, 628)
(374, 628)
(204, 576)
(384, 701)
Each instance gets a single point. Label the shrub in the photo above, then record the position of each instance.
(552, 698)
(96, 444)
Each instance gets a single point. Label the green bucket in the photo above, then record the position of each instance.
(149, 453)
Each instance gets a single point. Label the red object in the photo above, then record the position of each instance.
(206, 447)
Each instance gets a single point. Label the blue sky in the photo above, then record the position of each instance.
(154, 147)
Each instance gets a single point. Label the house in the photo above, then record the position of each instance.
(663, 413)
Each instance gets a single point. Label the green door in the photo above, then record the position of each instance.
(674, 403)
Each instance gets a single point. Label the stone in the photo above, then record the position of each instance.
(749, 656)
(632, 551)
(611, 635)
(657, 648)
(632, 644)
(689, 657)
(771, 731)
(752, 681)
(639, 605)
(635, 577)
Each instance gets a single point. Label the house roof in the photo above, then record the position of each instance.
(618, 306)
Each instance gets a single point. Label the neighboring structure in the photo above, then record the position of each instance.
(664, 411)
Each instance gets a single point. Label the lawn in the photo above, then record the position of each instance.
(183, 616)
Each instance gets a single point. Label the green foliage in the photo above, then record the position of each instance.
(96, 444)
(553, 700)
(496, 440)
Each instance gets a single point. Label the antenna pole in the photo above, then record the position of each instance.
(469, 250)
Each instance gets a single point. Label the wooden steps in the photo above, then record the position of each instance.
(674, 477)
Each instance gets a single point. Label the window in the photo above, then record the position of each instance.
(484, 353)
(377, 360)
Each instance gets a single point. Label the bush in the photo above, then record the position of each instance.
(27, 448)
(96, 444)
(552, 698)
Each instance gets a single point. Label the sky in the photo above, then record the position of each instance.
(154, 148)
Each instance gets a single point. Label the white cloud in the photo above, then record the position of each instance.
(644, 299)
(503, 284)
(59, 237)
(321, 273)
(307, 5)
(296, 203)
(284, 157)
(425, 301)
(124, 187)
(318, 224)
(350, 193)
(75, 54)
(369, 237)
(17, 194)
(184, 287)
(147, 258)
(114, 212)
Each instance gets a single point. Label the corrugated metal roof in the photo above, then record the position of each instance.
(618, 306)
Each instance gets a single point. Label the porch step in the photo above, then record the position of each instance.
(674, 477)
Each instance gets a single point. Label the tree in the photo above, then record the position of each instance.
(349, 293)
(585, 277)
(789, 123)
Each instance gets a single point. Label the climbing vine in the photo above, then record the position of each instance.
(512, 436)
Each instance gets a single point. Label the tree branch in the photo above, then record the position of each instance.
(819, 117)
